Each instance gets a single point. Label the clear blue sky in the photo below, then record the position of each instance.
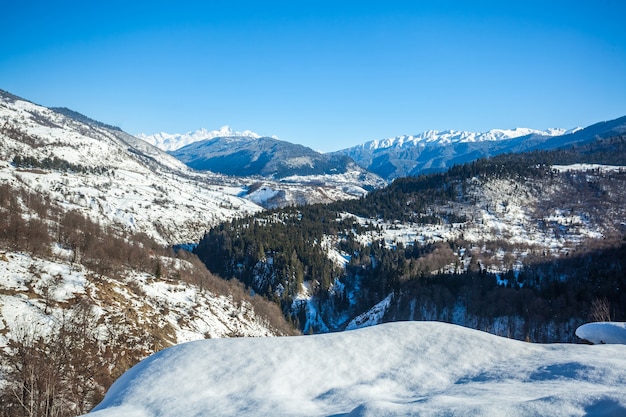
(326, 74)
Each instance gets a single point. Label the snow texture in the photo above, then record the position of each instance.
(396, 369)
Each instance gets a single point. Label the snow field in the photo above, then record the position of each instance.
(396, 369)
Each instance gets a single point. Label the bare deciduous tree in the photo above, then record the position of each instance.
(600, 310)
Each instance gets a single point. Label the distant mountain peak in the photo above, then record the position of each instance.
(173, 141)
(447, 137)
(434, 150)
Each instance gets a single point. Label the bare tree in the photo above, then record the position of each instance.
(600, 310)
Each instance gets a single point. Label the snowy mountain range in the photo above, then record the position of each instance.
(433, 151)
(247, 153)
(448, 137)
(89, 214)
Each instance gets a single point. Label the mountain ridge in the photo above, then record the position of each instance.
(264, 156)
(447, 137)
(390, 158)
(434, 151)
(172, 141)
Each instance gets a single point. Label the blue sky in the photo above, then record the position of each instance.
(326, 74)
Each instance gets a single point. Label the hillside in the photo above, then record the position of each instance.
(396, 369)
(81, 302)
(477, 245)
(434, 151)
(110, 175)
(88, 283)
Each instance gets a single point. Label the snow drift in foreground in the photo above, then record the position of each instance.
(408, 368)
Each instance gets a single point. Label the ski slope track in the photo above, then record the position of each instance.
(395, 369)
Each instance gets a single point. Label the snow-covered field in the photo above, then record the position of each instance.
(395, 369)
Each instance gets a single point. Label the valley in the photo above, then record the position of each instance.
(525, 245)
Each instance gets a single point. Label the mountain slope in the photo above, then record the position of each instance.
(268, 157)
(81, 301)
(88, 283)
(433, 151)
(115, 177)
(399, 369)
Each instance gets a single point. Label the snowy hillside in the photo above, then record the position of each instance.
(396, 369)
(78, 329)
(36, 289)
(174, 141)
(114, 177)
(87, 284)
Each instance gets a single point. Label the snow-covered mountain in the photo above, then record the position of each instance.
(124, 181)
(434, 150)
(174, 141)
(267, 157)
(88, 284)
(395, 369)
(448, 137)
(114, 177)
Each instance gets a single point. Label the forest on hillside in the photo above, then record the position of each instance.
(280, 252)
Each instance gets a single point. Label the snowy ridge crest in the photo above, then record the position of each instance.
(174, 141)
(447, 137)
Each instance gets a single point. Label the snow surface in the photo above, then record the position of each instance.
(589, 167)
(603, 332)
(396, 369)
